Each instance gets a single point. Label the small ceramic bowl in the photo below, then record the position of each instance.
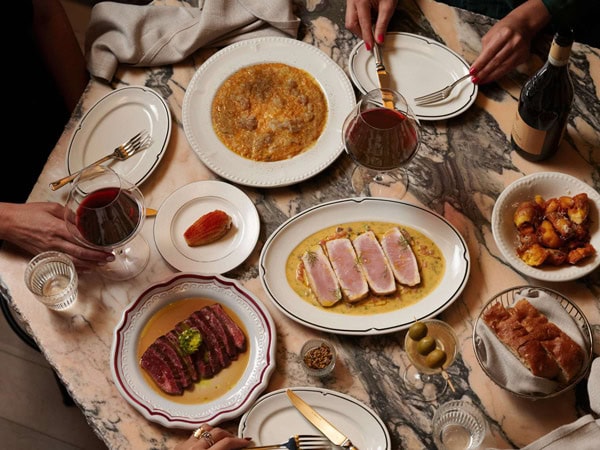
(317, 357)
(548, 185)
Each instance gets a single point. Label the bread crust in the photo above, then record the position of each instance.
(539, 344)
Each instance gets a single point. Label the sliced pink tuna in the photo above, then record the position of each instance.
(399, 253)
(321, 278)
(345, 265)
(374, 264)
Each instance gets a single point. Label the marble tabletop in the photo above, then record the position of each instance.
(463, 165)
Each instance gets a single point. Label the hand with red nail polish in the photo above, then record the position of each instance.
(359, 19)
(507, 43)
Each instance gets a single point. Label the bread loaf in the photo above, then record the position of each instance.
(539, 344)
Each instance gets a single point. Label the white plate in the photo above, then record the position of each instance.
(200, 93)
(114, 119)
(127, 373)
(417, 66)
(548, 185)
(292, 232)
(273, 418)
(184, 206)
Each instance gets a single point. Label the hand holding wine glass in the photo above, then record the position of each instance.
(105, 211)
(431, 346)
(381, 141)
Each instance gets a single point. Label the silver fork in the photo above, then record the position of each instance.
(300, 442)
(137, 143)
(440, 95)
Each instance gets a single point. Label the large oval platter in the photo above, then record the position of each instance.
(127, 373)
(197, 121)
(291, 233)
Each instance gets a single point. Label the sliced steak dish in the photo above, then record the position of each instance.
(174, 370)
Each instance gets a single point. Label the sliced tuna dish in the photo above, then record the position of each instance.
(347, 269)
(400, 255)
(374, 264)
(321, 277)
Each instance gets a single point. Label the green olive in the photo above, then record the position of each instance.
(417, 331)
(435, 359)
(426, 345)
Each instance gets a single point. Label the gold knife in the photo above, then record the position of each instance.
(383, 77)
(332, 433)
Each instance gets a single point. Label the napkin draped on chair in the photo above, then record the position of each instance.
(161, 34)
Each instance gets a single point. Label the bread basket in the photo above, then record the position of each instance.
(508, 298)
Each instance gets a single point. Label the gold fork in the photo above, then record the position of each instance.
(137, 143)
(299, 442)
(440, 95)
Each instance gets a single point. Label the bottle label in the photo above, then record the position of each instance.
(529, 139)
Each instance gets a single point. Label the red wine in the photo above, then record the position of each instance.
(544, 105)
(381, 139)
(108, 217)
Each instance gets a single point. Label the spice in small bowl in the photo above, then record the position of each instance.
(317, 357)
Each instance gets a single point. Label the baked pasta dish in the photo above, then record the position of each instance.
(269, 112)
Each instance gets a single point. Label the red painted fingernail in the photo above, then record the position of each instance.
(475, 80)
(368, 47)
(380, 38)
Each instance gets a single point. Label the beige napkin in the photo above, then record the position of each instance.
(507, 368)
(583, 434)
(168, 32)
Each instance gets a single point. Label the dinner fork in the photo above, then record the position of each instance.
(300, 442)
(440, 95)
(137, 143)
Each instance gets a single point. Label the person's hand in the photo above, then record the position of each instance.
(507, 43)
(360, 22)
(207, 437)
(38, 227)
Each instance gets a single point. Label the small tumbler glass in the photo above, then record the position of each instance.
(317, 357)
(458, 425)
(52, 278)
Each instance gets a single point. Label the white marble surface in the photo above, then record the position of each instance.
(462, 167)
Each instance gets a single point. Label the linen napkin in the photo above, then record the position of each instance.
(582, 434)
(508, 370)
(167, 32)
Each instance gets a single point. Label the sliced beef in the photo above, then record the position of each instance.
(233, 329)
(160, 371)
(186, 359)
(219, 330)
(174, 371)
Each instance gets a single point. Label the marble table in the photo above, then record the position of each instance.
(463, 165)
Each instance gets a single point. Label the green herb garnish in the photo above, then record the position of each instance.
(190, 340)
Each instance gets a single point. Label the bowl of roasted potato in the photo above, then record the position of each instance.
(546, 226)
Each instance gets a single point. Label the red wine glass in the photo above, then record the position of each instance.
(105, 211)
(381, 140)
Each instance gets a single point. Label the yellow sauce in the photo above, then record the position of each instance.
(269, 112)
(430, 259)
(204, 390)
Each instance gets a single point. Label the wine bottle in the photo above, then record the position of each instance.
(545, 103)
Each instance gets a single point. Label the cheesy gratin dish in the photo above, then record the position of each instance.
(269, 112)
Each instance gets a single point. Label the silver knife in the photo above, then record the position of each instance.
(332, 433)
(382, 76)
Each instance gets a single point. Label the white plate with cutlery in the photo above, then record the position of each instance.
(417, 66)
(273, 419)
(114, 119)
